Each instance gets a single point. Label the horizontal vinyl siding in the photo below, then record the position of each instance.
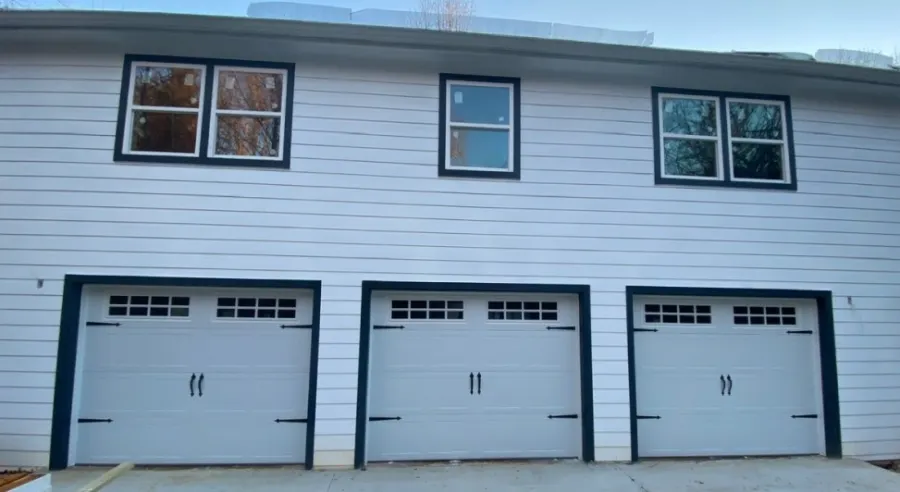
(363, 202)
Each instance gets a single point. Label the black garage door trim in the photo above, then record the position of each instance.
(73, 287)
(584, 305)
(827, 355)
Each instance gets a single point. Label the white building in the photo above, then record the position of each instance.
(235, 240)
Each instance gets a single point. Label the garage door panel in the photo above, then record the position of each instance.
(148, 439)
(272, 393)
(534, 392)
(435, 437)
(224, 439)
(492, 345)
(106, 392)
(686, 432)
(422, 348)
(544, 438)
(435, 393)
(128, 349)
(281, 351)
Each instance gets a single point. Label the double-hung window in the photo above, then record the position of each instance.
(723, 139)
(203, 111)
(479, 127)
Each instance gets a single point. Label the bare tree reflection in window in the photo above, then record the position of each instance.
(249, 113)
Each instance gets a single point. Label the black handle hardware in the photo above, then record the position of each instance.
(564, 416)
(722, 380)
(648, 417)
(193, 378)
(479, 383)
(101, 323)
(94, 421)
(730, 384)
(645, 329)
(382, 419)
(800, 332)
(200, 385)
(290, 421)
(565, 328)
(805, 416)
(284, 327)
(387, 327)
(471, 383)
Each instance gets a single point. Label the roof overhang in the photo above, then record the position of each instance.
(121, 28)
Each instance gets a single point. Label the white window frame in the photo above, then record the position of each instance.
(720, 167)
(215, 112)
(131, 108)
(785, 159)
(449, 125)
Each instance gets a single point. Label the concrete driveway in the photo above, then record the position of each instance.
(758, 475)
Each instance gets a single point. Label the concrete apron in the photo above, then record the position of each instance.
(758, 475)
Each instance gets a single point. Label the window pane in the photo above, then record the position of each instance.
(250, 91)
(164, 132)
(479, 148)
(479, 104)
(248, 136)
(690, 116)
(690, 157)
(164, 86)
(758, 161)
(750, 120)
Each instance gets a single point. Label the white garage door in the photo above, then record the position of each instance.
(473, 376)
(193, 376)
(727, 377)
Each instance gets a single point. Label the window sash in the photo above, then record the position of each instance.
(663, 135)
(216, 112)
(450, 125)
(785, 159)
(131, 108)
(724, 140)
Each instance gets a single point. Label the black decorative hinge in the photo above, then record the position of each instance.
(566, 328)
(382, 419)
(564, 416)
(800, 332)
(805, 416)
(387, 327)
(283, 327)
(94, 421)
(290, 421)
(101, 323)
(644, 329)
(648, 417)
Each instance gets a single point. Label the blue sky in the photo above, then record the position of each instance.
(777, 25)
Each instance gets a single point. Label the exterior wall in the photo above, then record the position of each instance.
(363, 202)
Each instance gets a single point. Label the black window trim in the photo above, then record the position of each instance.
(725, 145)
(515, 173)
(209, 65)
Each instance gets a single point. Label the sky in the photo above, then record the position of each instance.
(717, 25)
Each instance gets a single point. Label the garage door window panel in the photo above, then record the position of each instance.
(765, 315)
(144, 306)
(256, 308)
(427, 310)
(523, 311)
(678, 314)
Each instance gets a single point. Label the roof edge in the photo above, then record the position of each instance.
(41, 20)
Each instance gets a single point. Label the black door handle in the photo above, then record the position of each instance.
(479, 383)
(193, 378)
(471, 383)
(722, 379)
(730, 384)
(200, 384)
